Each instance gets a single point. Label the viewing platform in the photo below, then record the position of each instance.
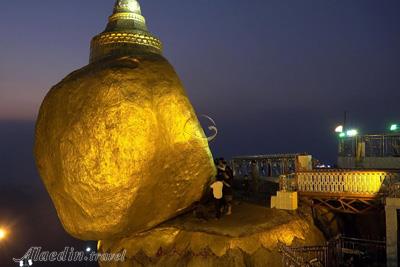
(349, 191)
(370, 152)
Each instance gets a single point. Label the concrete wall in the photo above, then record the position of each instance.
(392, 205)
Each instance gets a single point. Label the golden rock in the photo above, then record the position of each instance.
(249, 237)
(118, 145)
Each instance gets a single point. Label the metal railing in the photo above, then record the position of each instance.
(289, 258)
(265, 165)
(385, 145)
(304, 256)
(394, 190)
(341, 251)
(371, 251)
(288, 182)
(368, 183)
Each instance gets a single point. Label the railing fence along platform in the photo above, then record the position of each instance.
(304, 256)
(386, 145)
(345, 182)
(264, 166)
(350, 191)
(341, 251)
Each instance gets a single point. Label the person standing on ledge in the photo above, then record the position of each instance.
(217, 187)
(255, 175)
(225, 171)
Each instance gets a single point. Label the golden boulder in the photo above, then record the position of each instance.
(118, 144)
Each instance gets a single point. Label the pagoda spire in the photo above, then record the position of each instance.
(126, 34)
(131, 6)
(127, 16)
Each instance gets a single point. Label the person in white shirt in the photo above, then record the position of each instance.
(217, 187)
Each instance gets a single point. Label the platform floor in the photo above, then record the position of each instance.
(245, 219)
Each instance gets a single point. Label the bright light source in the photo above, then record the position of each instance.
(21, 263)
(339, 129)
(341, 135)
(394, 127)
(352, 133)
(88, 249)
(30, 262)
(3, 234)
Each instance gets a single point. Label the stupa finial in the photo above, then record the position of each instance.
(127, 6)
(126, 34)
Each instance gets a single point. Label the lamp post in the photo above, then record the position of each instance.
(339, 129)
(342, 132)
(3, 234)
(352, 133)
(25, 263)
(395, 128)
(88, 250)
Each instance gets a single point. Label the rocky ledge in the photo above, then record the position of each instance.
(248, 237)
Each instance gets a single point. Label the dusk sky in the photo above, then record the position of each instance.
(275, 75)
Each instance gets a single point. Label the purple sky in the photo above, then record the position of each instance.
(276, 76)
(280, 72)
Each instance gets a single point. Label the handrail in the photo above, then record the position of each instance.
(345, 181)
(330, 254)
(394, 190)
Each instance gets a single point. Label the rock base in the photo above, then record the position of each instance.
(249, 237)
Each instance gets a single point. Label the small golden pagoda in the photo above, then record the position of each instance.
(126, 33)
